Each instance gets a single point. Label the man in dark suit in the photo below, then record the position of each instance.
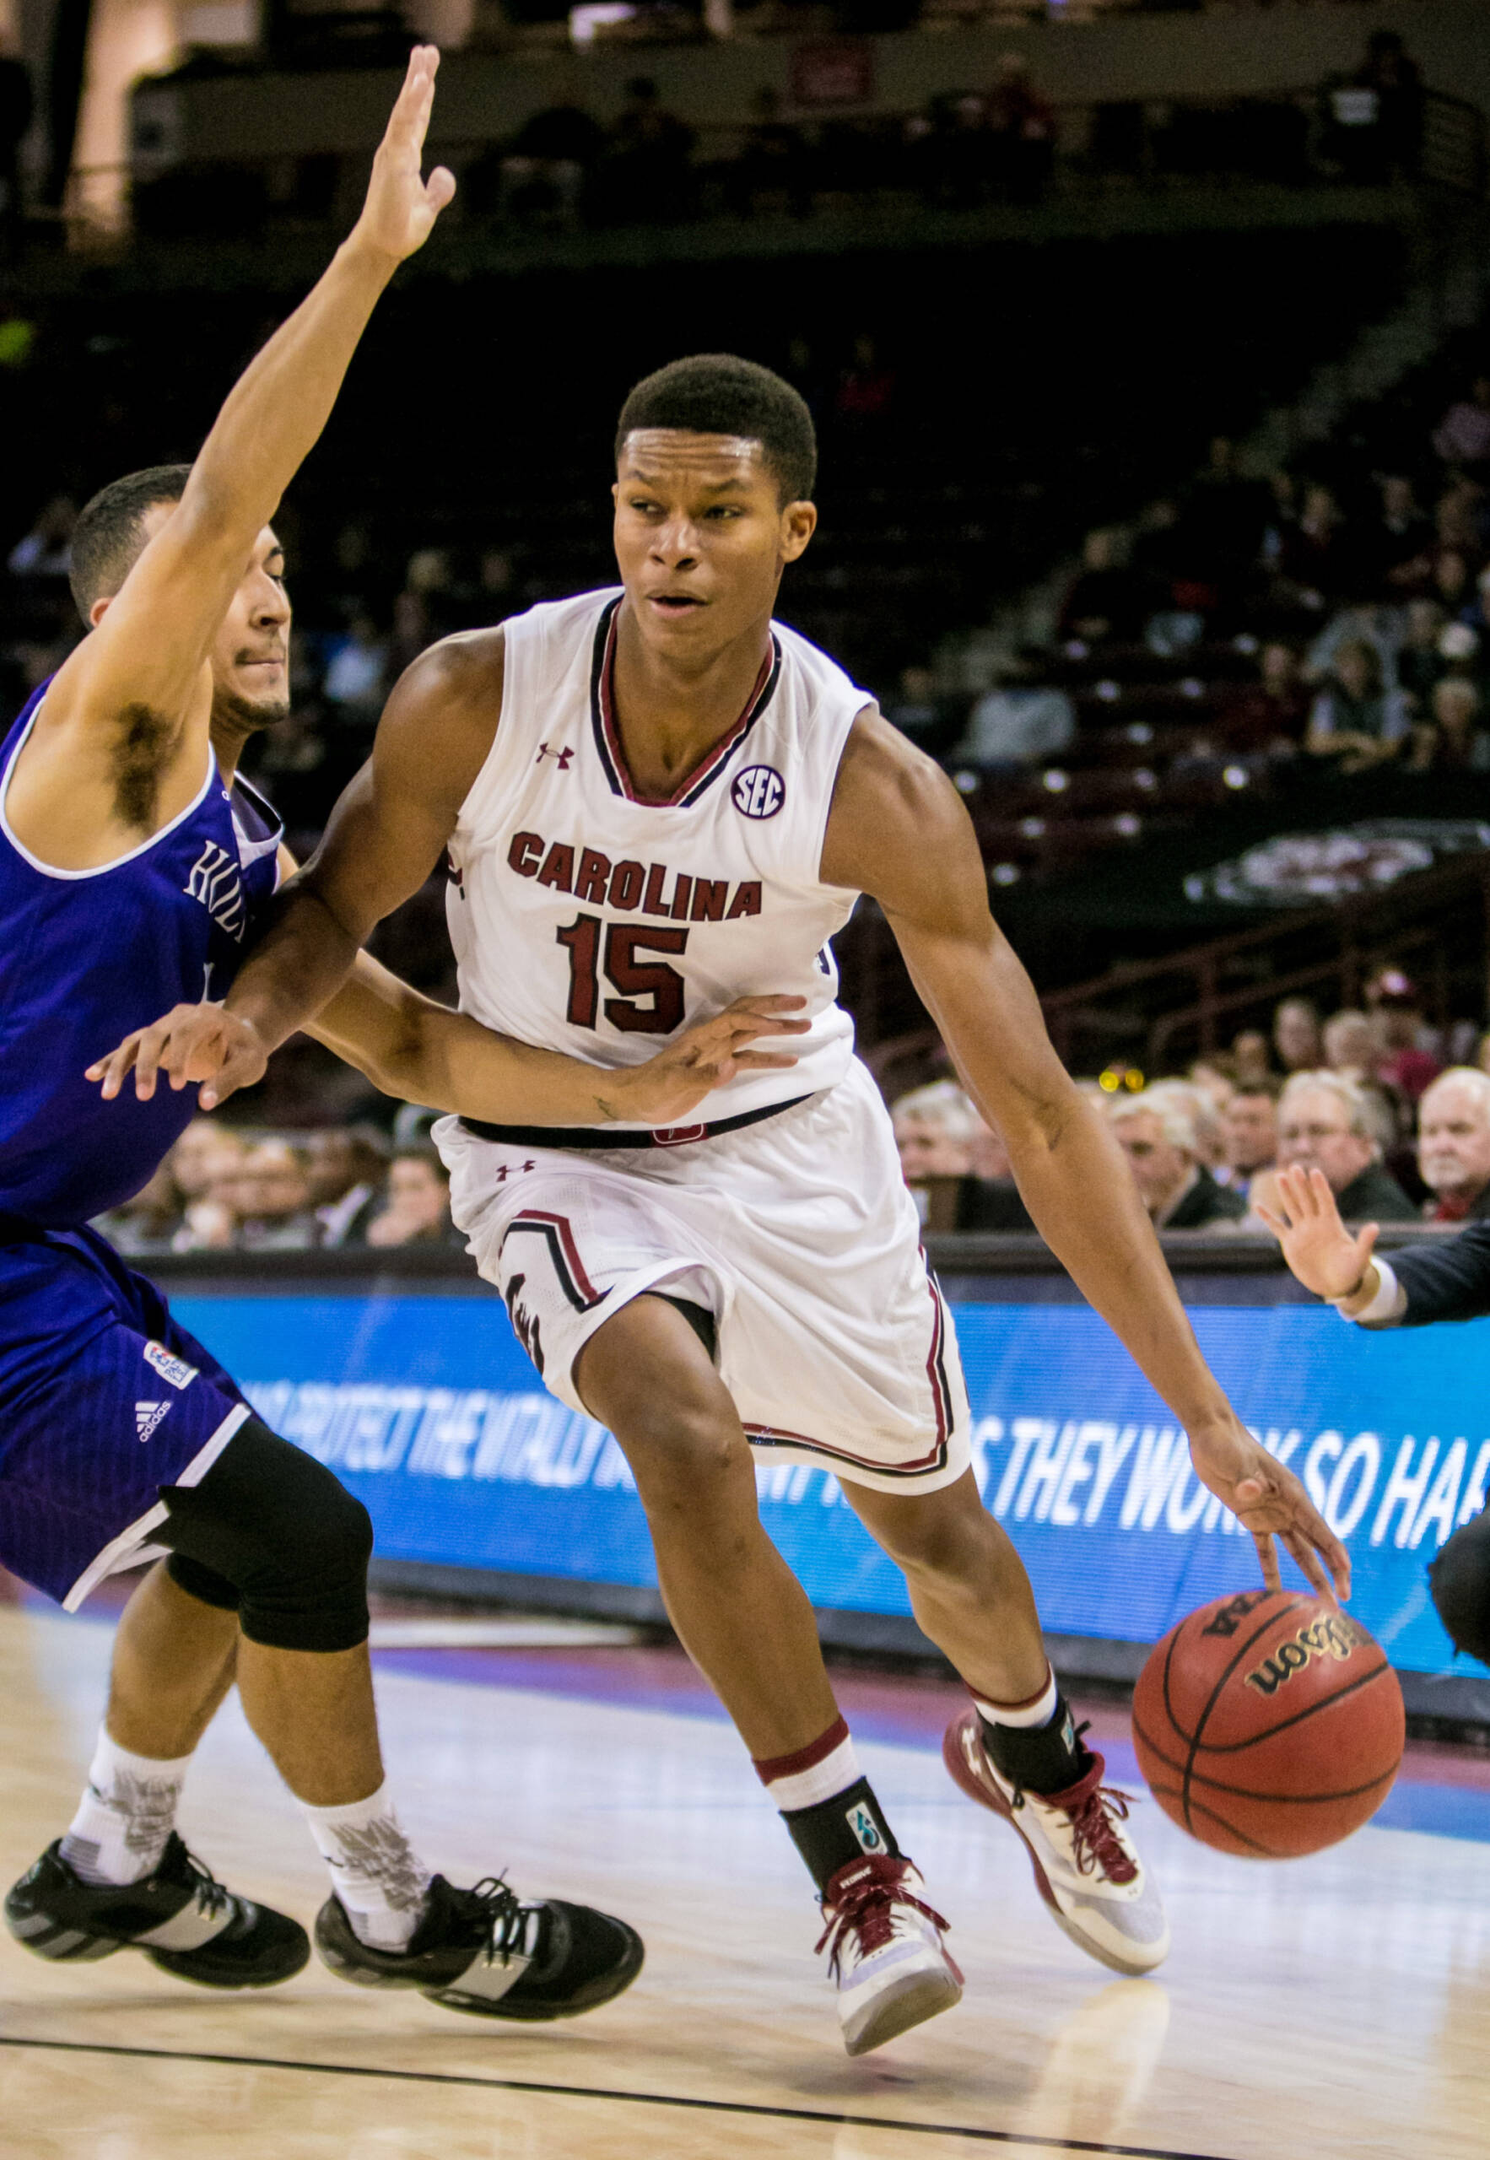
(1426, 1283)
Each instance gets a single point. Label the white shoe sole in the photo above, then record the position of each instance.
(897, 2008)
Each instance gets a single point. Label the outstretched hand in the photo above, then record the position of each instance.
(704, 1057)
(1316, 1245)
(1270, 1501)
(401, 207)
(189, 1043)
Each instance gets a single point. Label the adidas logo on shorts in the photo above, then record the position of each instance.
(147, 1416)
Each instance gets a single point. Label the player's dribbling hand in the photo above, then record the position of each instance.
(704, 1057)
(1269, 1500)
(1316, 1245)
(190, 1043)
(402, 205)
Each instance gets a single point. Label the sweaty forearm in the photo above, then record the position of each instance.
(1081, 1196)
(422, 1052)
(451, 1062)
(296, 969)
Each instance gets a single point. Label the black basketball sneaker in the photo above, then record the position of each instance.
(180, 1917)
(495, 1955)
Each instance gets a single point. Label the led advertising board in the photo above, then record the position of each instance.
(425, 1404)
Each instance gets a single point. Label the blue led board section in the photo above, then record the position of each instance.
(427, 1407)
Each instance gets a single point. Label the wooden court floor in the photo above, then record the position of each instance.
(1335, 2007)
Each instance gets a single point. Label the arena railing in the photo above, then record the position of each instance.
(1436, 923)
(1142, 147)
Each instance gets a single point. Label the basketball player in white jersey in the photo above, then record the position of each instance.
(656, 799)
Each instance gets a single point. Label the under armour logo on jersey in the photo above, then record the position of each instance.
(148, 1415)
(563, 756)
(215, 882)
(512, 1169)
(759, 791)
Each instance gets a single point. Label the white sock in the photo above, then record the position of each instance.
(814, 1774)
(127, 1812)
(375, 1871)
(1038, 1710)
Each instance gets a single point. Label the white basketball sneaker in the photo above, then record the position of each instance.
(1087, 1868)
(885, 1950)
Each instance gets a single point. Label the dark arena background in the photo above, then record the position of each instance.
(1148, 347)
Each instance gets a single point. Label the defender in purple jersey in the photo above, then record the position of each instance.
(134, 872)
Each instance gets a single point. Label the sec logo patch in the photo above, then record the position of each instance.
(759, 791)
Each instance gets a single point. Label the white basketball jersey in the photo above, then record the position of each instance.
(588, 919)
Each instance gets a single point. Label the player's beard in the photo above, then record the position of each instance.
(241, 717)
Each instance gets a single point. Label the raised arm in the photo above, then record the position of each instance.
(898, 831)
(144, 670)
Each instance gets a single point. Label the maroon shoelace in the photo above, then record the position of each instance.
(865, 1904)
(1094, 1842)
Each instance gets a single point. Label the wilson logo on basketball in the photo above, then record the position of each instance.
(1333, 1637)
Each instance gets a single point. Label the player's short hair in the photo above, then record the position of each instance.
(108, 538)
(720, 394)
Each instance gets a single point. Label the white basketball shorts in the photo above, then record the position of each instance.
(796, 1233)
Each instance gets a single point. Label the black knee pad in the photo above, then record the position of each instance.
(1460, 1581)
(272, 1523)
(207, 1587)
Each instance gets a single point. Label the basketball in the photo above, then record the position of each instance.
(1269, 1724)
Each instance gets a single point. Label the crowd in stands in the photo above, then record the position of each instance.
(1379, 1102)
(1000, 140)
(994, 142)
(1360, 598)
(224, 1189)
(1387, 1107)
(1253, 633)
(1333, 618)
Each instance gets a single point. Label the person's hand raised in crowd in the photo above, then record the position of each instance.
(1317, 1247)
